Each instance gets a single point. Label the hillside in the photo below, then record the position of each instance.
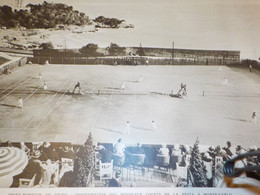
(50, 15)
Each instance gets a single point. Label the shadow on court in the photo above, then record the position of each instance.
(10, 106)
(237, 119)
(143, 128)
(111, 130)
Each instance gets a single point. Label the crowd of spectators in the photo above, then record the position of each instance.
(45, 158)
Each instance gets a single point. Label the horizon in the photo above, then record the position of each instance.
(204, 24)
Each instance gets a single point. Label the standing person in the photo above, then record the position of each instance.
(250, 67)
(254, 117)
(127, 128)
(184, 91)
(40, 76)
(45, 85)
(230, 151)
(182, 85)
(123, 86)
(153, 125)
(20, 102)
(225, 82)
(77, 86)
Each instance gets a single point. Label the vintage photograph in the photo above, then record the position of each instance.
(116, 93)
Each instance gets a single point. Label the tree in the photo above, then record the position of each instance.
(47, 45)
(89, 50)
(84, 163)
(115, 50)
(197, 168)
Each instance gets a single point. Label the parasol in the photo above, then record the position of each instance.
(12, 162)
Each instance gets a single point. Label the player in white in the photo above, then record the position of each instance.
(45, 85)
(123, 86)
(153, 125)
(219, 68)
(77, 86)
(127, 128)
(20, 102)
(254, 117)
(40, 75)
(225, 82)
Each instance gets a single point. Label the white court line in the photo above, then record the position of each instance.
(32, 120)
(14, 84)
(14, 89)
(109, 102)
(99, 108)
(50, 111)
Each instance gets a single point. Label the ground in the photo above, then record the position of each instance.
(223, 113)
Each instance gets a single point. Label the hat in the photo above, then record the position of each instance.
(211, 148)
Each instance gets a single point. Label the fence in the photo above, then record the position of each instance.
(130, 61)
(12, 64)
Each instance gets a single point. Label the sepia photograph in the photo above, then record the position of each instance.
(132, 94)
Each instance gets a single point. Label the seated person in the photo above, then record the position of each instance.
(164, 151)
(119, 148)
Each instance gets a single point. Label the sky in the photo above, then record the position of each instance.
(200, 24)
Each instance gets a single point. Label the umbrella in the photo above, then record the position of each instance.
(12, 162)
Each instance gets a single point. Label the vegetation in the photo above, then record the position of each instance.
(197, 169)
(47, 45)
(46, 15)
(90, 50)
(115, 50)
(103, 22)
(84, 164)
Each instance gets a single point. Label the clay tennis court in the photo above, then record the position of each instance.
(223, 113)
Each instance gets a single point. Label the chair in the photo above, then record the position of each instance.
(181, 172)
(105, 170)
(218, 159)
(27, 183)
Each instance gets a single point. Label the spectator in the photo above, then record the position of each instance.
(163, 150)
(119, 148)
(229, 150)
